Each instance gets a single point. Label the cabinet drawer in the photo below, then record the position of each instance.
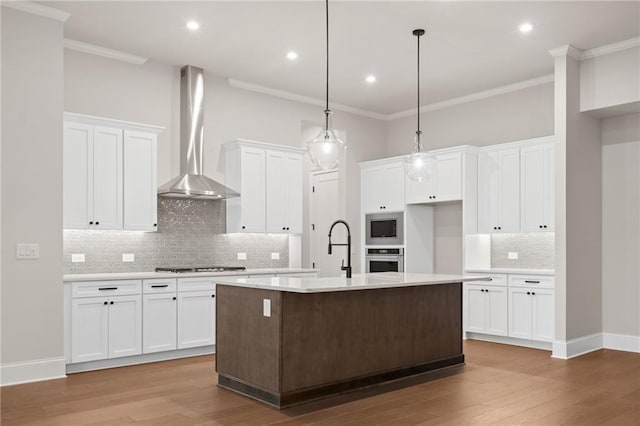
(496, 279)
(199, 284)
(163, 285)
(105, 288)
(532, 281)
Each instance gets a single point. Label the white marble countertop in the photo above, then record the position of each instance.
(358, 282)
(69, 278)
(512, 271)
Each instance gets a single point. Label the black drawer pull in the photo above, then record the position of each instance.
(160, 285)
(531, 282)
(107, 288)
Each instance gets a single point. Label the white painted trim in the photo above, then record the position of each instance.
(102, 121)
(533, 344)
(518, 144)
(576, 347)
(621, 342)
(38, 9)
(475, 96)
(263, 145)
(15, 373)
(105, 52)
(610, 48)
(300, 98)
(566, 50)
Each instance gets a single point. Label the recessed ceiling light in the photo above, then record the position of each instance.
(370, 79)
(525, 27)
(292, 56)
(193, 25)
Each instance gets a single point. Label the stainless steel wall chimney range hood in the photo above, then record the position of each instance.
(192, 183)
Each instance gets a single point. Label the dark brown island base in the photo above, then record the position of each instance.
(286, 341)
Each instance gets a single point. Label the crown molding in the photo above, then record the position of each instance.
(566, 50)
(38, 9)
(92, 49)
(610, 48)
(475, 96)
(304, 99)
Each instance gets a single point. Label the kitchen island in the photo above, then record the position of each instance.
(286, 341)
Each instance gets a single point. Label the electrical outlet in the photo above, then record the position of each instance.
(77, 258)
(27, 251)
(513, 255)
(266, 307)
(128, 257)
(242, 256)
(275, 256)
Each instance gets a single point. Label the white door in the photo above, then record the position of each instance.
(520, 313)
(77, 176)
(487, 192)
(509, 190)
(497, 322)
(253, 190)
(476, 309)
(276, 187)
(196, 319)
(448, 177)
(107, 178)
(372, 189)
(140, 182)
(125, 326)
(543, 310)
(532, 198)
(324, 209)
(422, 192)
(294, 195)
(89, 329)
(160, 322)
(393, 187)
(549, 187)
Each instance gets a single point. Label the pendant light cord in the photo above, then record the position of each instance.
(326, 110)
(418, 109)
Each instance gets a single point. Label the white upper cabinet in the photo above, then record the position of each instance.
(109, 174)
(383, 187)
(269, 180)
(140, 181)
(537, 190)
(443, 184)
(499, 191)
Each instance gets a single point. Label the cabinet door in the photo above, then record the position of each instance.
(140, 182)
(487, 192)
(496, 305)
(532, 188)
(77, 176)
(420, 192)
(293, 184)
(196, 319)
(276, 186)
(372, 189)
(393, 187)
(520, 312)
(548, 177)
(253, 190)
(160, 322)
(476, 309)
(448, 177)
(125, 326)
(543, 308)
(509, 190)
(89, 329)
(107, 178)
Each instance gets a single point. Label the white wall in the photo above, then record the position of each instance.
(621, 225)
(150, 93)
(610, 80)
(32, 291)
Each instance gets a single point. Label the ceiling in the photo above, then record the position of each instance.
(469, 46)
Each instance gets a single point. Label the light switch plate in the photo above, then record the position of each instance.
(128, 257)
(77, 257)
(242, 256)
(275, 256)
(513, 255)
(266, 307)
(27, 251)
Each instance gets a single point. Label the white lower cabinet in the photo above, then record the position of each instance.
(196, 319)
(486, 309)
(531, 314)
(125, 326)
(159, 322)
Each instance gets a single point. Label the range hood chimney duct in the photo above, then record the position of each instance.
(192, 183)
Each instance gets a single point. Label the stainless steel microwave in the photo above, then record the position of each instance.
(384, 229)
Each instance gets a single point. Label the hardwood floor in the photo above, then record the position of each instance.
(499, 385)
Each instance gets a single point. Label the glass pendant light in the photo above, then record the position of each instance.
(326, 149)
(418, 165)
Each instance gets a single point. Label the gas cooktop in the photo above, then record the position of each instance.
(202, 269)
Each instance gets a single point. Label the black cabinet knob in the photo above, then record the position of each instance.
(288, 228)
(174, 298)
(284, 229)
(106, 303)
(112, 302)
(533, 293)
(544, 226)
(495, 227)
(97, 223)
(155, 224)
(91, 223)
(499, 227)
(540, 226)
(213, 295)
(244, 227)
(528, 292)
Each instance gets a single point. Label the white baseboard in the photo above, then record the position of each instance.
(15, 373)
(534, 344)
(576, 347)
(621, 342)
